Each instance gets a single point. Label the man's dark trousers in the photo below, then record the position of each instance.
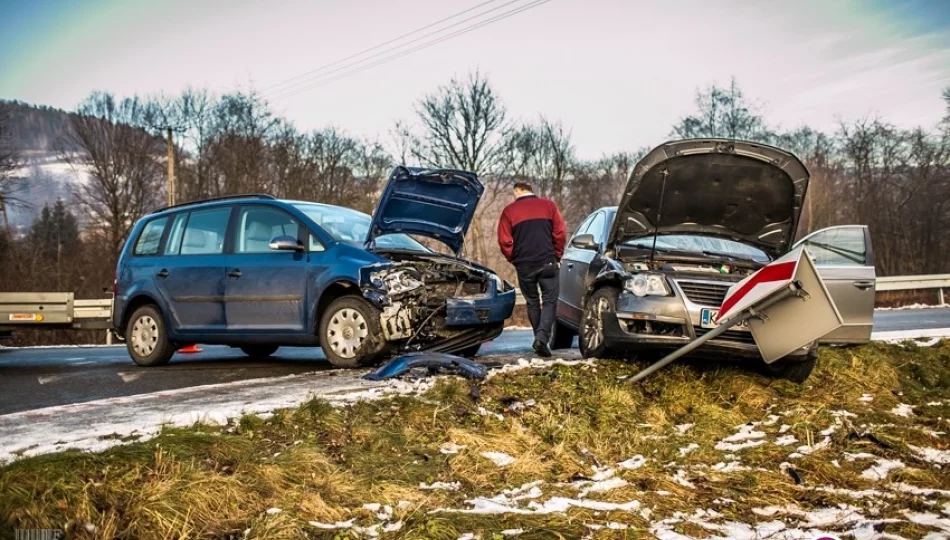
(542, 307)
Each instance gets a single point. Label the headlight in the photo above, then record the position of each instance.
(647, 284)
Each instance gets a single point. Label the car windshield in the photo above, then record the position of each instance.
(707, 245)
(350, 226)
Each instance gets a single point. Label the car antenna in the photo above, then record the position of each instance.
(659, 212)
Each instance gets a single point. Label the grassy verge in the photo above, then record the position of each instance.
(718, 446)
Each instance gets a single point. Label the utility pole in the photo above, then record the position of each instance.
(171, 167)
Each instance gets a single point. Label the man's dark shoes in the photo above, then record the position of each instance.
(541, 348)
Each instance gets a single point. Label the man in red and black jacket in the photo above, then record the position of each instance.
(531, 236)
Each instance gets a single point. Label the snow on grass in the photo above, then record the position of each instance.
(786, 440)
(932, 455)
(681, 479)
(683, 428)
(732, 466)
(633, 463)
(881, 468)
(500, 459)
(866, 398)
(446, 486)
(451, 448)
(904, 410)
(688, 448)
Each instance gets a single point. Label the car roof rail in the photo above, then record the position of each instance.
(221, 198)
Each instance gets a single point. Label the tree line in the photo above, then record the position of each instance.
(869, 171)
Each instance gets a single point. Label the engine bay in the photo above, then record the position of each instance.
(411, 292)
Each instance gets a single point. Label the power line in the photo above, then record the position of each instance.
(321, 81)
(292, 88)
(374, 47)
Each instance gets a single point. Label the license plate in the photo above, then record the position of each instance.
(23, 316)
(707, 318)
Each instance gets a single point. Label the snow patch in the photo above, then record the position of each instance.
(881, 469)
(633, 463)
(904, 410)
(446, 486)
(932, 455)
(500, 459)
(687, 449)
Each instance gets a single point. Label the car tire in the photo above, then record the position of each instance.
(350, 333)
(562, 337)
(797, 370)
(146, 338)
(592, 341)
(259, 351)
(470, 352)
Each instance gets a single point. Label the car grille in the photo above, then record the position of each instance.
(729, 335)
(704, 293)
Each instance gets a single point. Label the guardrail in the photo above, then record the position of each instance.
(888, 283)
(910, 283)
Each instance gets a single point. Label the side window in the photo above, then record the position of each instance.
(258, 225)
(597, 227)
(838, 246)
(150, 238)
(205, 231)
(315, 244)
(173, 244)
(584, 226)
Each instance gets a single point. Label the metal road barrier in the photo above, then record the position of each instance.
(62, 310)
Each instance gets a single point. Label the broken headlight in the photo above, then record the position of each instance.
(647, 284)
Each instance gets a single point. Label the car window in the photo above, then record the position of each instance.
(583, 227)
(839, 246)
(352, 227)
(173, 244)
(597, 227)
(205, 231)
(151, 237)
(258, 225)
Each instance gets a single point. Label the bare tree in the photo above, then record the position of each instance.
(725, 113)
(9, 163)
(123, 162)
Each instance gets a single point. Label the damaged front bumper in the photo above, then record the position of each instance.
(664, 324)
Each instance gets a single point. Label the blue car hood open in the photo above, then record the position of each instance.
(436, 203)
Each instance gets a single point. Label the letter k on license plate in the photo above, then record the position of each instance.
(707, 318)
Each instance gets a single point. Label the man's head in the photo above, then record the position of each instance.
(523, 188)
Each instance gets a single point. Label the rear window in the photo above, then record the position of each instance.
(151, 237)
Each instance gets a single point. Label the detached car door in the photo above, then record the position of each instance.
(845, 262)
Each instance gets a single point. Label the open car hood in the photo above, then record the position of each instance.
(436, 203)
(743, 191)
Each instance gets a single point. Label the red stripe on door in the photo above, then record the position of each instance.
(776, 272)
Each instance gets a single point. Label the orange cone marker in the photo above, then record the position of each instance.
(190, 349)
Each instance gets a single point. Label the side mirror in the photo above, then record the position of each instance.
(584, 241)
(285, 243)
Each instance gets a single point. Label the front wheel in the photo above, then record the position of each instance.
(146, 338)
(259, 351)
(592, 340)
(350, 333)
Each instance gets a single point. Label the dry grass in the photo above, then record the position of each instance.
(322, 464)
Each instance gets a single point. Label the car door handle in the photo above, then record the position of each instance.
(236, 273)
(570, 265)
(163, 273)
(864, 284)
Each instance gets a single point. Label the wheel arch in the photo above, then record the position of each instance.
(336, 289)
(137, 301)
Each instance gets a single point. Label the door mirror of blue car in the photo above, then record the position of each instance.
(285, 243)
(584, 241)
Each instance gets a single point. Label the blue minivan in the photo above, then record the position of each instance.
(259, 273)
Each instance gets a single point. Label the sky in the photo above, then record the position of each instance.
(617, 73)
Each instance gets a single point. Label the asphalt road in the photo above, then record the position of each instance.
(42, 377)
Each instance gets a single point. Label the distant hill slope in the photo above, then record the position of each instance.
(38, 128)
